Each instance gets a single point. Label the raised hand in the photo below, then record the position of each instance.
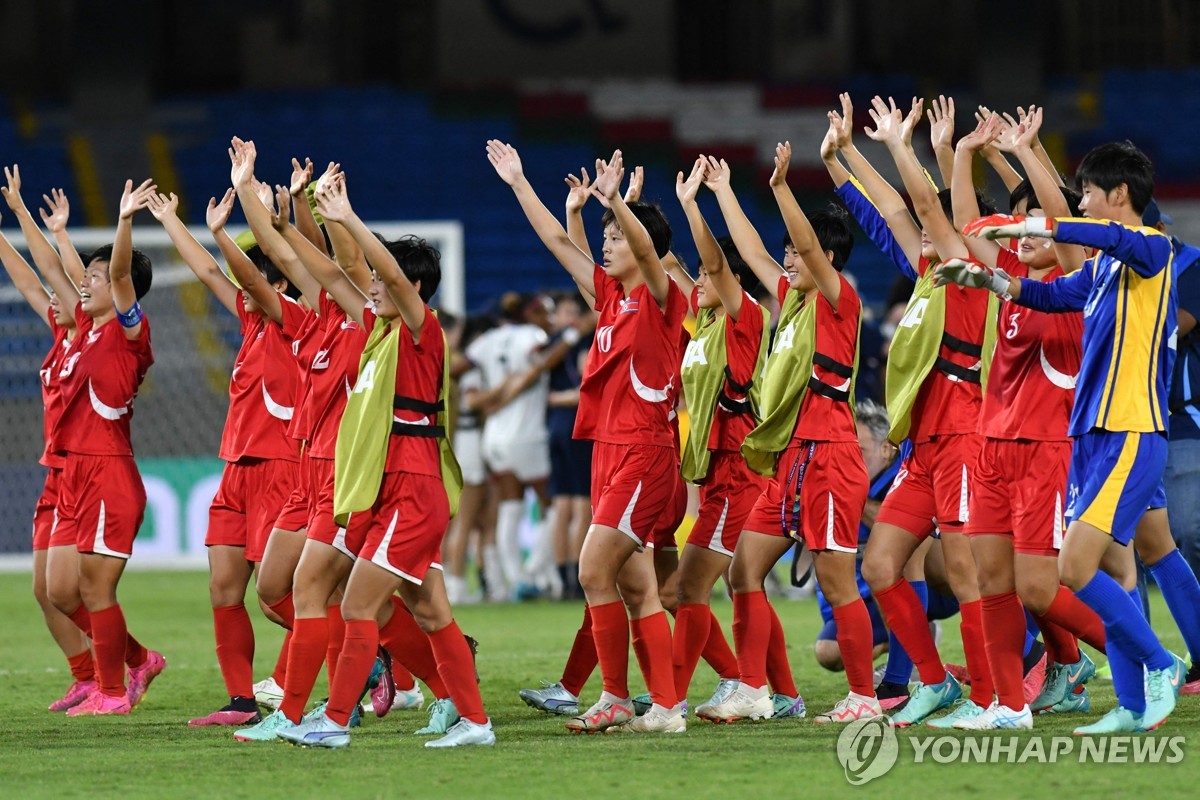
(57, 211)
(888, 121)
(218, 212)
(634, 192)
(505, 160)
(609, 175)
(984, 134)
(716, 175)
(12, 192)
(331, 173)
(829, 145)
(941, 121)
(1027, 131)
(133, 200)
(843, 123)
(687, 188)
(783, 158)
(1006, 142)
(911, 120)
(241, 157)
(281, 218)
(975, 226)
(301, 175)
(580, 191)
(161, 206)
(332, 202)
(262, 191)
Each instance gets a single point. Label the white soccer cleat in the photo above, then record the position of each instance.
(998, 718)
(465, 732)
(850, 708)
(268, 693)
(656, 720)
(743, 702)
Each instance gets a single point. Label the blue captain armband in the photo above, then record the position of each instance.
(132, 317)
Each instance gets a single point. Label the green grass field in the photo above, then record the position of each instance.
(154, 754)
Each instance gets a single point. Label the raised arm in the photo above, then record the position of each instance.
(44, 256)
(941, 134)
(608, 182)
(577, 197)
(962, 187)
(55, 220)
(1045, 185)
(199, 260)
(578, 264)
(829, 157)
(120, 267)
(749, 244)
(800, 230)
(25, 279)
(994, 154)
(306, 223)
(711, 257)
(346, 252)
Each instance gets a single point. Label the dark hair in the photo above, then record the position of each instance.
(1024, 191)
(140, 271)
(1109, 165)
(511, 306)
(652, 219)
(832, 226)
(986, 206)
(271, 272)
(738, 266)
(419, 261)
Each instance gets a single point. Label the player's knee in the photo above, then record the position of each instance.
(829, 655)
(879, 574)
(1036, 596)
(669, 600)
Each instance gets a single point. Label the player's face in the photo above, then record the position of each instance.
(706, 295)
(799, 278)
(95, 292)
(250, 304)
(1036, 252)
(928, 251)
(875, 455)
(62, 317)
(384, 307)
(1096, 203)
(619, 262)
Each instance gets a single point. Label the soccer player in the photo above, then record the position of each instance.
(400, 476)
(72, 641)
(101, 497)
(1118, 423)
(624, 408)
(808, 443)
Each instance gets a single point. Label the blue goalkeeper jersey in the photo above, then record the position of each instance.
(1128, 298)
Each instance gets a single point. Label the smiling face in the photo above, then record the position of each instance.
(797, 271)
(95, 292)
(384, 307)
(1036, 252)
(706, 295)
(1099, 204)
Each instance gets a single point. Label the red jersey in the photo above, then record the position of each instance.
(627, 392)
(331, 375)
(823, 419)
(742, 339)
(1031, 385)
(944, 404)
(99, 376)
(419, 369)
(262, 388)
(304, 349)
(51, 391)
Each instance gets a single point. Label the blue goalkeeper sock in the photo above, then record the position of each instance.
(1031, 634)
(899, 664)
(940, 606)
(1124, 625)
(1129, 678)
(1182, 592)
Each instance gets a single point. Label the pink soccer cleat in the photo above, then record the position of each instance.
(77, 692)
(98, 704)
(227, 717)
(140, 677)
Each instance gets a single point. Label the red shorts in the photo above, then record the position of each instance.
(406, 525)
(321, 528)
(933, 484)
(43, 512)
(631, 485)
(662, 536)
(247, 503)
(727, 496)
(833, 487)
(1018, 489)
(298, 507)
(103, 500)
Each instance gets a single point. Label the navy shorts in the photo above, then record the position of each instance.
(570, 465)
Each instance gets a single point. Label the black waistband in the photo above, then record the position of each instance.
(836, 367)
(418, 431)
(959, 346)
(419, 406)
(957, 371)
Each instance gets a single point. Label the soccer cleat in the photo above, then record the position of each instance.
(742, 703)
(383, 686)
(608, 712)
(99, 704)
(267, 730)
(140, 677)
(227, 716)
(1162, 691)
(787, 707)
(318, 732)
(959, 673)
(551, 698)
(268, 693)
(963, 709)
(319, 709)
(925, 699)
(1075, 701)
(466, 732)
(442, 717)
(1119, 720)
(77, 692)
(725, 687)
(849, 708)
(891, 696)
(642, 704)
(997, 717)
(1191, 681)
(656, 720)
(408, 700)
(1035, 671)
(1061, 681)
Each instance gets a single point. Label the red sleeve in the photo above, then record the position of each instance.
(294, 315)
(140, 345)
(848, 301)
(693, 301)
(922, 266)
(781, 288)
(742, 339)
(677, 305)
(431, 333)
(603, 285)
(81, 317)
(1008, 261)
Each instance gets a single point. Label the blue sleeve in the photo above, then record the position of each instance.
(1145, 250)
(875, 226)
(1068, 293)
(1187, 281)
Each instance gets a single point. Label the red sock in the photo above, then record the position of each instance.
(652, 644)
(717, 651)
(235, 649)
(135, 652)
(310, 640)
(906, 618)
(971, 628)
(855, 640)
(610, 629)
(337, 635)
(458, 671)
(82, 666)
(354, 667)
(752, 634)
(779, 669)
(582, 661)
(692, 629)
(108, 642)
(285, 609)
(280, 671)
(1073, 614)
(410, 648)
(1004, 639)
(1061, 645)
